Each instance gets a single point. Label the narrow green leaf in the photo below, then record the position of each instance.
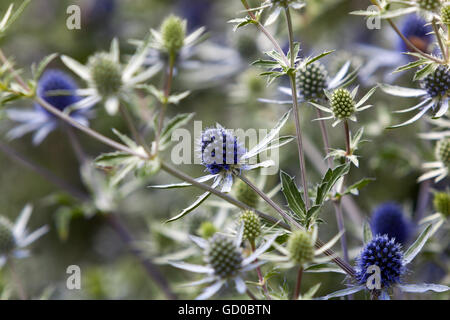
(367, 232)
(415, 248)
(193, 206)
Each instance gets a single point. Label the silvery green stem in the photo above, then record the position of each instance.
(17, 282)
(342, 264)
(439, 39)
(167, 89)
(44, 172)
(298, 130)
(407, 41)
(298, 283)
(265, 32)
(260, 276)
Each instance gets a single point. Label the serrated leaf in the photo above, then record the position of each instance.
(292, 194)
(329, 180)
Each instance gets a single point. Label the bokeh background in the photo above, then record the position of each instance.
(82, 236)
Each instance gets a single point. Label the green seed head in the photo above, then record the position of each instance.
(441, 203)
(301, 247)
(106, 74)
(342, 104)
(173, 31)
(7, 240)
(312, 80)
(252, 225)
(246, 194)
(206, 230)
(223, 256)
(445, 14)
(430, 5)
(443, 151)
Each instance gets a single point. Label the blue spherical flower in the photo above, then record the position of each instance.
(39, 120)
(414, 28)
(385, 253)
(53, 80)
(437, 83)
(388, 219)
(222, 141)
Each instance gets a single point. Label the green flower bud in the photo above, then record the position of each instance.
(246, 194)
(106, 74)
(7, 240)
(252, 225)
(342, 104)
(445, 14)
(206, 230)
(443, 151)
(173, 31)
(312, 80)
(223, 256)
(430, 5)
(441, 203)
(301, 247)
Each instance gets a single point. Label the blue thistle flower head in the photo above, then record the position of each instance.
(415, 30)
(226, 144)
(53, 80)
(437, 83)
(385, 253)
(388, 218)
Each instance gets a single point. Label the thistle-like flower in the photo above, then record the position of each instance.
(313, 81)
(109, 81)
(14, 238)
(300, 250)
(445, 14)
(441, 167)
(441, 203)
(434, 94)
(301, 247)
(427, 8)
(382, 262)
(388, 218)
(252, 225)
(385, 253)
(416, 30)
(40, 120)
(246, 194)
(343, 105)
(224, 158)
(225, 262)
